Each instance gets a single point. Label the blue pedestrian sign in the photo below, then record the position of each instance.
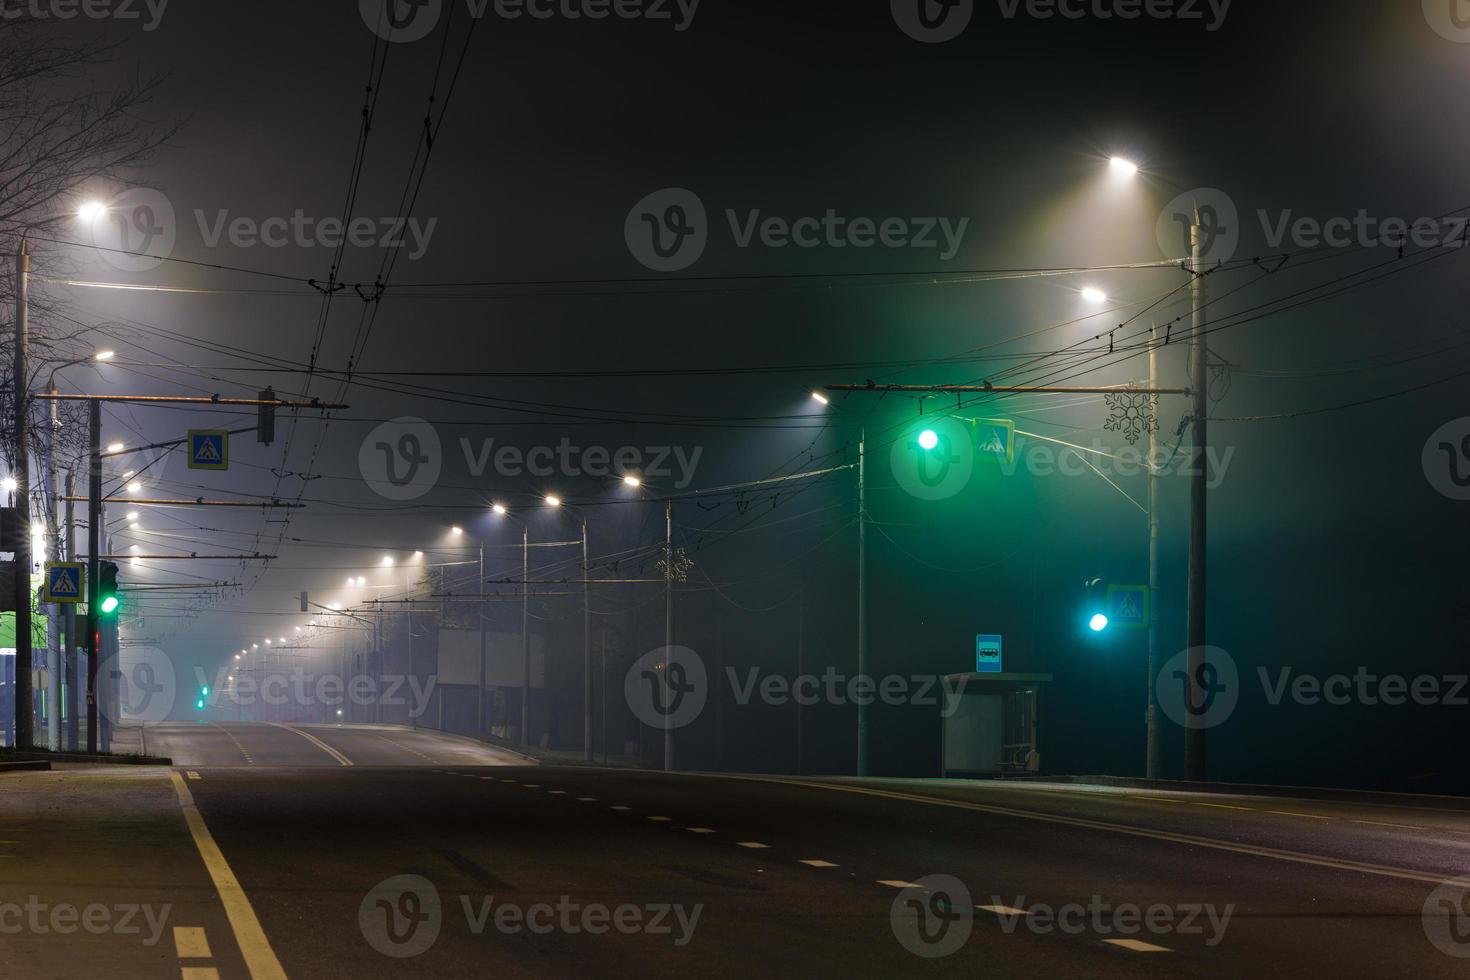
(1128, 606)
(65, 581)
(209, 449)
(987, 654)
(996, 438)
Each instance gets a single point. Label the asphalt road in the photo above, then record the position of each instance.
(297, 860)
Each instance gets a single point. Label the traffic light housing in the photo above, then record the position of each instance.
(265, 419)
(1096, 609)
(107, 597)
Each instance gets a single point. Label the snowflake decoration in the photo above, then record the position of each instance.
(1132, 413)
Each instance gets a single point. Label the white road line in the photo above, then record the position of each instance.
(231, 734)
(661, 819)
(191, 943)
(1398, 826)
(700, 830)
(754, 845)
(193, 775)
(1002, 910)
(1136, 945)
(341, 759)
(620, 808)
(818, 863)
(531, 785)
(586, 799)
(1288, 813)
(556, 792)
(260, 959)
(895, 883)
(1271, 853)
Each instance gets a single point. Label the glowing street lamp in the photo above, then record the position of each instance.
(552, 500)
(928, 440)
(632, 481)
(106, 355)
(820, 398)
(1094, 295)
(1123, 167)
(499, 509)
(91, 211)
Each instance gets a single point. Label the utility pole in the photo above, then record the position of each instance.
(1154, 765)
(69, 618)
(668, 626)
(53, 620)
(526, 635)
(586, 649)
(94, 549)
(862, 602)
(800, 665)
(24, 714)
(480, 714)
(1194, 734)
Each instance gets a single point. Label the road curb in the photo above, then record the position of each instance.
(25, 766)
(103, 760)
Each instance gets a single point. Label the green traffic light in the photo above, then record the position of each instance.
(204, 691)
(928, 440)
(199, 705)
(109, 604)
(1099, 623)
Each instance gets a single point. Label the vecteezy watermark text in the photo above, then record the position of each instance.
(937, 21)
(124, 10)
(303, 231)
(668, 231)
(403, 916)
(37, 918)
(405, 21)
(1103, 918)
(566, 459)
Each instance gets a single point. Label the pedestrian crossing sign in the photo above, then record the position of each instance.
(209, 449)
(996, 438)
(65, 581)
(1128, 606)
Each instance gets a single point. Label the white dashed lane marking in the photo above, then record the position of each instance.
(818, 863)
(700, 830)
(620, 809)
(895, 883)
(754, 845)
(1001, 910)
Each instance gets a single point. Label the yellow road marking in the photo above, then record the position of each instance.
(895, 883)
(341, 759)
(260, 959)
(200, 973)
(191, 943)
(1002, 910)
(1136, 945)
(818, 863)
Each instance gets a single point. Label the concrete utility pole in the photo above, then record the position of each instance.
(862, 601)
(24, 713)
(69, 618)
(526, 635)
(668, 627)
(94, 549)
(1194, 734)
(1154, 765)
(586, 649)
(480, 714)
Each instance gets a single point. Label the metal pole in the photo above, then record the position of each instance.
(604, 695)
(862, 601)
(69, 618)
(94, 549)
(525, 635)
(480, 730)
(408, 591)
(24, 710)
(1154, 765)
(53, 620)
(668, 625)
(1194, 734)
(586, 648)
